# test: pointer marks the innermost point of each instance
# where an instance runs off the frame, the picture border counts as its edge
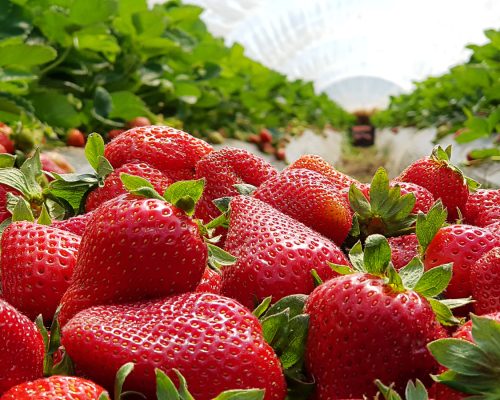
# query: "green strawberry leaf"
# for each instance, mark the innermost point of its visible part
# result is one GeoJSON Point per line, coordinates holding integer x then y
{"type": "Point", "coordinates": [486, 334]}
{"type": "Point", "coordinates": [356, 257]}
{"type": "Point", "coordinates": [416, 391]}
{"type": "Point", "coordinates": [222, 203]}
{"type": "Point", "coordinates": [443, 312]}
{"type": "Point", "coordinates": [242, 394]}
{"type": "Point", "coordinates": [183, 390]}
{"type": "Point", "coordinates": [412, 272]}
{"type": "Point", "coordinates": [262, 307]}
{"type": "Point", "coordinates": [359, 203]}
{"type": "Point", "coordinates": [64, 367]}
{"type": "Point", "coordinates": [379, 190]}
{"type": "Point", "coordinates": [22, 211]}
{"type": "Point", "coordinates": [394, 279]}
{"type": "Point", "coordinates": [340, 269]}
{"type": "Point", "coordinates": [165, 388]}
{"type": "Point", "coordinates": [139, 186]}
{"type": "Point", "coordinates": [439, 154]}
{"type": "Point", "coordinates": [104, 396]}
{"type": "Point", "coordinates": [456, 303]}
{"type": "Point", "coordinates": [15, 179]}
{"type": "Point", "coordinates": [44, 218]}
{"type": "Point", "coordinates": [218, 257]}
{"type": "Point", "coordinates": [387, 391]}
{"type": "Point", "coordinates": [185, 194]}
{"type": "Point", "coordinates": [485, 386]}
{"type": "Point", "coordinates": [273, 324]}
{"type": "Point", "coordinates": [293, 353]}
{"type": "Point", "coordinates": [7, 160]}
{"type": "Point", "coordinates": [32, 171]}
{"type": "Point", "coordinates": [434, 281]}
{"type": "Point", "coordinates": [429, 224]}
{"type": "Point", "coordinates": [294, 303]}
{"type": "Point", "coordinates": [244, 189]}
{"type": "Point", "coordinates": [316, 278]}
{"type": "Point", "coordinates": [104, 168]}
{"type": "Point", "coordinates": [94, 148]}
{"type": "Point", "coordinates": [121, 375]}
{"type": "Point", "coordinates": [377, 254]}
{"type": "Point", "coordinates": [70, 192]}
{"type": "Point", "coordinates": [221, 220]}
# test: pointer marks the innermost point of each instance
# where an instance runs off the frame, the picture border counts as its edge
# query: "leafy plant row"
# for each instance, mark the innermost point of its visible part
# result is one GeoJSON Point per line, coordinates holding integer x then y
{"type": "Point", "coordinates": [95, 64]}
{"type": "Point", "coordinates": [464, 101]}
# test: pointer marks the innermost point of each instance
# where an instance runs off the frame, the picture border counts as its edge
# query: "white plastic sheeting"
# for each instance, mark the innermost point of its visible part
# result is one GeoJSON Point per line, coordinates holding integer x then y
{"type": "Point", "coordinates": [358, 51]}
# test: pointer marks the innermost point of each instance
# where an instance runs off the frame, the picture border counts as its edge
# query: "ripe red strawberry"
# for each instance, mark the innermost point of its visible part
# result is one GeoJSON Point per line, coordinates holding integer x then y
{"type": "Point", "coordinates": [365, 324]}
{"type": "Point", "coordinates": [211, 282]}
{"type": "Point", "coordinates": [213, 341]}
{"type": "Point", "coordinates": [315, 163]}
{"type": "Point", "coordinates": [275, 254]}
{"type": "Point", "coordinates": [37, 266]}
{"type": "Point", "coordinates": [7, 143]}
{"type": "Point", "coordinates": [403, 249]}
{"type": "Point", "coordinates": [483, 207]}
{"type": "Point", "coordinates": [441, 178]}
{"type": "Point", "coordinates": [134, 249]}
{"type": "Point", "coordinates": [114, 133]}
{"type": "Point", "coordinates": [75, 138]}
{"type": "Point", "coordinates": [485, 282]}
{"type": "Point", "coordinates": [461, 245]}
{"type": "Point", "coordinates": [21, 348]}
{"type": "Point", "coordinates": [138, 121]}
{"type": "Point", "coordinates": [50, 166]}
{"type": "Point", "coordinates": [75, 224]}
{"type": "Point", "coordinates": [222, 170]}
{"type": "Point", "coordinates": [113, 186]}
{"type": "Point", "coordinates": [494, 228]}
{"type": "Point", "coordinates": [265, 136]}
{"type": "Point", "coordinates": [3, 150]}
{"type": "Point", "coordinates": [4, 213]}
{"type": "Point", "coordinates": [309, 197]}
{"type": "Point", "coordinates": [173, 152]}
{"type": "Point", "coordinates": [423, 198]}
{"type": "Point", "coordinates": [56, 387]}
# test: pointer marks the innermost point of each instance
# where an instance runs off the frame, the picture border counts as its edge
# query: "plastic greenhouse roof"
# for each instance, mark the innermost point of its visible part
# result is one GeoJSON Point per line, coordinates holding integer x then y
{"type": "Point", "coordinates": [358, 51]}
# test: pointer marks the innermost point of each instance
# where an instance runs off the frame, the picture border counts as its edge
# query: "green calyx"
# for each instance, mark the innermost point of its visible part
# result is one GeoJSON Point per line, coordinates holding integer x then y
{"type": "Point", "coordinates": [429, 224]}
{"type": "Point", "coordinates": [387, 212]}
{"type": "Point", "coordinates": [473, 368]}
{"type": "Point", "coordinates": [413, 391]}
{"type": "Point", "coordinates": [285, 328]}
{"type": "Point", "coordinates": [375, 259]}
{"type": "Point", "coordinates": [444, 156]}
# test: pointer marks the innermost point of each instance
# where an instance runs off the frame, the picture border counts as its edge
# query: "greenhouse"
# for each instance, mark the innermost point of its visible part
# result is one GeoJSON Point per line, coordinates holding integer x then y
{"type": "Point", "coordinates": [249, 199]}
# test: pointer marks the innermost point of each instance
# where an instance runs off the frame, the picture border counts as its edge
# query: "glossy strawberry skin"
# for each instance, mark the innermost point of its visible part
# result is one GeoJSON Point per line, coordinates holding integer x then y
{"type": "Point", "coordinates": [55, 387]}
{"type": "Point", "coordinates": [309, 198]}
{"type": "Point", "coordinates": [113, 186]}
{"type": "Point", "coordinates": [403, 249]}
{"type": "Point", "coordinates": [134, 249]}
{"type": "Point", "coordinates": [494, 228]}
{"type": "Point", "coordinates": [360, 329]}
{"type": "Point", "coordinates": [222, 170]}
{"type": "Point", "coordinates": [173, 152]}
{"type": "Point", "coordinates": [213, 341]}
{"type": "Point", "coordinates": [275, 254]}
{"type": "Point", "coordinates": [485, 282]}
{"type": "Point", "coordinates": [75, 224]}
{"type": "Point", "coordinates": [443, 182]}
{"type": "Point", "coordinates": [211, 282]}
{"type": "Point", "coordinates": [483, 207]}
{"type": "Point", "coordinates": [315, 163]}
{"type": "Point", "coordinates": [37, 266]}
{"type": "Point", "coordinates": [21, 348]}
{"type": "Point", "coordinates": [462, 245]}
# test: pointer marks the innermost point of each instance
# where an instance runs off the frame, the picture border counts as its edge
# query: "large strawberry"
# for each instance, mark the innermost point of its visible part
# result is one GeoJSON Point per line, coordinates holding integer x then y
{"type": "Point", "coordinates": [211, 282]}
{"type": "Point", "coordinates": [373, 323]}
{"type": "Point", "coordinates": [275, 254]}
{"type": "Point", "coordinates": [403, 249]}
{"type": "Point", "coordinates": [461, 245]}
{"type": "Point", "coordinates": [315, 163]}
{"type": "Point", "coordinates": [222, 170]}
{"type": "Point", "coordinates": [75, 224]}
{"type": "Point", "coordinates": [483, 207]}
{"type": "Point", "coordinates": [37, 266]}
{"type": "Point", "coordinates": [308, 197]}
{"type": "Point", "coordinates": [21, 348]}
{"type": "Point", "coordinates": [472, 360]}
{"type": "Point", "coordinates": [442, 179]}
{"type": "Point", "coordinates": [137, 248]}
{"type": "Point", "coordinates": [173, 152]}
{"type": "Point", "coordinates": [213, 341]}
{"type": "Point", "coordinates": [485, 282]}
{"type": "Point", "coordinates": [113, 186]}
{"type": "Point", "coordinates": [56, 387]}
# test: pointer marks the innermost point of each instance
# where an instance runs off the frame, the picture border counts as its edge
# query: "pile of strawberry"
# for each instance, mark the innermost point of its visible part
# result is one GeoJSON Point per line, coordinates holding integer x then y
{"type": "Point", "coordinates": [175, 266]}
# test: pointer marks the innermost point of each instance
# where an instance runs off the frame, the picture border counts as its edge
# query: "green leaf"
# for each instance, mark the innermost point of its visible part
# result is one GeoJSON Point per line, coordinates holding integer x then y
{"type": "Point", "coordinates": [185, 194]}
{"type": "Point", "coordinates": [219, 257]}
{"type": "Point", "coordinates": [294, 303]}
{"type": "Point", "coordinates": [428, 225]}
{"type": "Point", "coordinates": [443, 312]}
{"type": "Point", "coordinates": [379, 190]}
{"type": "Point", "coordinates": [22, 211]}
{"type": "Point", "coordinates": [183, 390]}
{"type": "Point", "coordinates": [127, 106]}
{"type": "Point", "coordinates": [262, 307]}
{"type": "Point", "coordinates": [15, 179]}
{"type": "Point", "coordinates": [456, 303]}
{"type": "Point", "coordinates": [187, 92]}
{"type": "Point", "coordinates": [139, 186]}
{"type": "Point", "coordinates": [32, 170]}
{"type": "Point", "coordinates": [359, 203]}
{"type": "Point", "coordinates": [7, 160]}
{"type": "Point", "coordinates": [99, 39]}
{"type": "Point", "coordinates": [394, 279]}
{"type": "Point", "coordinates": [242, 394]}
{"type": "Point", "coordinates": [104, 168]}
{"type": "Point", "coordinates": [121, 375]}
{"type": "Point", "coordinates": [94, 148]}
{"type": "Point", "coordinates": [434, 281]}
{"type": "Point", "coordinates": [387, 391]}
{"type": "Point", "coordinates": [416, 391]}
{"type": "Point", "coordinates": [72, 191]}
{"type": "Point", "coordinates": [274, 323]}
{"type": "Point", "coordinates": [44, 218]}
{"type": "Point", "coordinates": [316, 278]}
{"type": "Point", "coordinates": [64, 367]}
{"type": "Point", "coordinates": [165, 388]}
{"type": "Point", "coordinates": [340, 269]}
{"type": "Point", "coordinates": [56, 109]}
{"type": "Point", "coordinates": [486, 334]}
{"type": "Point", "coordinates": [102, 102]}
{"type": "Point", "coordinates": [356, 257]}
{"type": "Point", "coordinates": [412, 272]}
{"type": "Point", "coordinates": [293, 353]}
{"type": "Point", "coordinates": [222, 203]}
{"type": "Point", "coordinates": [461, 356]}
{"type": "Point", "coordinates": [441, 155]}
{"type": "Point", "coordinates": [377, 254]}
{"type": "Point", "coordinates": [90, 12]}
{"type": "Point", "coordinates": [26, 55]}
{"type": "Point", "coordinates": [245, 189]}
